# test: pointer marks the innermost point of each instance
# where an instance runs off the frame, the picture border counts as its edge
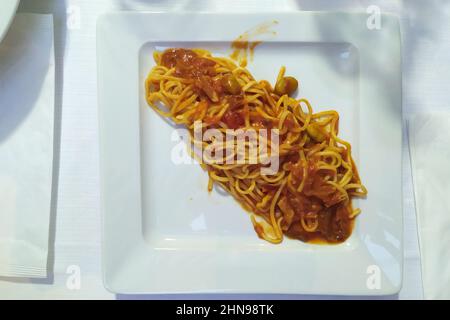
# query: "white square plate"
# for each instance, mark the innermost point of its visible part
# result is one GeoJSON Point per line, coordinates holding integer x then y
{"type": "Point", "coordinates": [163, 232]}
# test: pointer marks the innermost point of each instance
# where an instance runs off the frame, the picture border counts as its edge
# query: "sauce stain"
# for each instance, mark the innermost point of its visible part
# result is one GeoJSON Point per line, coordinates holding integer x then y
{"type": "Point", "coordinates": [244, 46]}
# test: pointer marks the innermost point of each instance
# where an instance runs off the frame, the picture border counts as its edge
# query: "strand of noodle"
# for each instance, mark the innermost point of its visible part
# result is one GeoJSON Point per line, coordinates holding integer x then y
{"type": "Point", "coordinates": [275, 224]}
{"type": "Point", "coordinates": [339, 188]}
{"type": "Point", "coordinates": [249, 189]}
{"type": "Point", "coordinates": [305, 172]}
{"type": "Point", "coordinates": [306, 226]}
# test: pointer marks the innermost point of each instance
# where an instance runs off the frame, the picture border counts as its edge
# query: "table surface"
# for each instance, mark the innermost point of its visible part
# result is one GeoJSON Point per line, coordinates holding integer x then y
{"type": "Point", "coordinates": [75, 226]}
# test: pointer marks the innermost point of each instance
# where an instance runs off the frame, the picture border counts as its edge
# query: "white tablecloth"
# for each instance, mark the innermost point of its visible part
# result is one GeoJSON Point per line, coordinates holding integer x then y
{"type": "Point", "coordinates": [76, 230]}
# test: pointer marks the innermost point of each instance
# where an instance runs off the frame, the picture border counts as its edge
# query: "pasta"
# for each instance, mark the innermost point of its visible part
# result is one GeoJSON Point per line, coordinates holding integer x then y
{"type": "Point", "coordinates": [309, 196]}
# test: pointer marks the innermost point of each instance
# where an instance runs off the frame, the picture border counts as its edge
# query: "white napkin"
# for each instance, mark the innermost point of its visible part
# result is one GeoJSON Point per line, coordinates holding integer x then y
{"type": "Point", "coordinates": [429, 138]}
{"type": "Point", "coordinates": [27, 94]}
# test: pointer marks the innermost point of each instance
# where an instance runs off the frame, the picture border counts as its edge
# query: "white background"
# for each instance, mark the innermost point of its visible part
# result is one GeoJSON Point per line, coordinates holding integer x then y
{"type": "Point", "coordinates": [75, 215]}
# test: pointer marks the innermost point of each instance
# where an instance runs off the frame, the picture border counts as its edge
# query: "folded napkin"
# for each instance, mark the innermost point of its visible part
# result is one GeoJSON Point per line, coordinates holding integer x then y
{"type": "Point", "coordinates": [429, 138]}
{"type": "Point", "coordinates": [26, 145]}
